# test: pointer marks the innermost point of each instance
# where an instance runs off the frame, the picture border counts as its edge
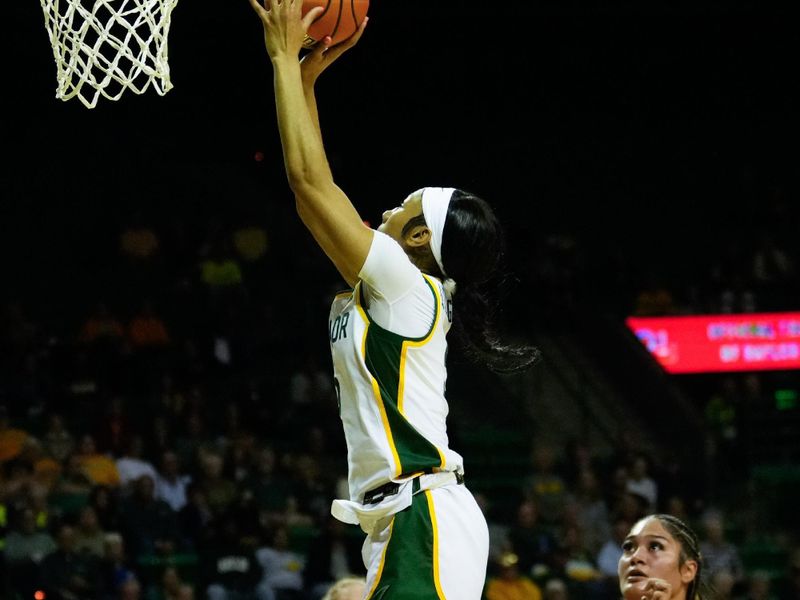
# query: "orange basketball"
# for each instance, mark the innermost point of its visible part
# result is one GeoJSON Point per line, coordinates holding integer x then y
{"type": "Point", "coordinates": [340, 20]}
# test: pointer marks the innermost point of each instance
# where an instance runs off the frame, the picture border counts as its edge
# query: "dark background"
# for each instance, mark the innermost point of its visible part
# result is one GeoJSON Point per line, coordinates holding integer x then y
{"type": "Point", "coordinates": [661, 125]}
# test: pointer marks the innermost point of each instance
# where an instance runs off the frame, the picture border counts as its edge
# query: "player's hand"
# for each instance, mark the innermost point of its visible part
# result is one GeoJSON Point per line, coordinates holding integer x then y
{"type": "Point", "coordinates": [323, 54]}
{"type": "Point", "coordinates": [285, 26]}
{"type": "Point", "coordinates": [656, 589]}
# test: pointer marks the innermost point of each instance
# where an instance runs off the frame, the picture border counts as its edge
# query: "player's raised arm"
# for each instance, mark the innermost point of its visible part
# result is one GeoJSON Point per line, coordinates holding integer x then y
{"type": "Point", "coordinates": [321, 204]}
{"type": "Point", "coordinates": [320, 58]}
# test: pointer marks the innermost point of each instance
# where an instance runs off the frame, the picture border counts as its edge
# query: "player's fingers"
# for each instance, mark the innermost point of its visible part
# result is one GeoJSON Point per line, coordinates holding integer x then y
{"type": "Point", "coordinates": [319, 49]}
{"type": "Point", "coordinates": [353, 39]}
{"type": "Point", "coordinates": [336, 51]}
{"type": "Point", "coordinates": [260, 10]}
{"type": "Point", "coordinates": [311, 16]}
{"type": "Point", "coordinates": [657, 589]}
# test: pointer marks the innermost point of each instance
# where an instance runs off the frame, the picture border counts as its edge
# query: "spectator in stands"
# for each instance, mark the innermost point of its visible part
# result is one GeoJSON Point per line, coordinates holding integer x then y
{"type": "Point", "coordinates": [574, 564]}
{"type": "Point", "coordinates": [131, 589]}
{"type": "Point", "coordinates": [312, 487]}
{"type": "Point", "coordinates": [270, 488]}
{"type": "Point", "coordinates": [616, 486]}
{"type": "Point", "coordinates": [160, 438]}
{"type": "Point", "coordinates": [718, 553]}
{"type": "Point", "coordinates": [555, 589]}
{"type": "Point", "coordinates": [57, 440]}
{"type": "Point", "coordinates": [220, 491]}
{"type": "Point", "coordinates": [116, 566]}
{"type": "Point", "coordinates": [723, 584]}
{"type": "Point", "coordinates": [532, 543]}
{"type": "Point", "coordinates": [114, 427]}
{"type": "Point", "coordinates": [89, 535]}
{"type": "Point", "coordinates": [25, 547]}
{"type": "Point", "coordinates": [347, 588]}
{"type": "Point", "coordinates": [72, 489]}
{"type": "Point", "coordinates": [66, 574]}
{"type": "Point", "coordinates": [591, 510]}
{"type": "Point", "coordinates": [545, 486]}
{"type": "Point", "coordinates": [641, 481]}
{"type": "Point", "coordinates": [99, 467]}
{"type": "Point", "coordinates": [131, 464]}
{"type": "Point", "coordinates": [195, 517]}
{"type": "Point", "coordinates": [148, 524]}
{"type": "Point", "coordinates": [229, 568]}
{"type": "Point", "coordinates": [509, 583]}
{"type": "Point", "coordinates": [660, 561]}
{"type": "Point", "coordinates": [678, 488]}
{"type": "Point", "coordinates": [190, 440]}
{"type": "Point", "coordinates": [104, 502]}
{"type": "Point", "coordinates": [169, 586]}
{"type": "Point", "coordinates": [579, 459]}
{"type": "Point", "coordinates": [631, 507]}
{"type": "Point", "coordinates": [171, 399]}
{"type": "Point", "coordinates": [282, 568]}
{"type": "Point", "coordinates": [171, 483]}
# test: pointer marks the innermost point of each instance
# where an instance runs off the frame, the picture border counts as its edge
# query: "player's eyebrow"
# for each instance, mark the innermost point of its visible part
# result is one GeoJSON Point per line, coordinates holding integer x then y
{"type": "Point", "coordinates": [649, 535]}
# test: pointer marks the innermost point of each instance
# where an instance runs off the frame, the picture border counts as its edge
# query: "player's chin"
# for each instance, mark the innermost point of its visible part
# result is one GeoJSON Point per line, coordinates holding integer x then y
{"type": "Point", "coordinates": [633, 587]}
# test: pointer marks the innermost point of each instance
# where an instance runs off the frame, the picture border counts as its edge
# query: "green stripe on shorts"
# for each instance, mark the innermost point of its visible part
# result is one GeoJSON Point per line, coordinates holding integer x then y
{"type": "Point", "coordinates": [408, 572]}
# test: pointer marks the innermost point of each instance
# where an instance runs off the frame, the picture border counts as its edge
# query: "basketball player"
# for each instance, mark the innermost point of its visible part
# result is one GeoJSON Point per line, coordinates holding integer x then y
{"type": "Point", "coordinates": [346, 588]}
{"type": "Point", "coordinates": [660, 561]}
{"type": "Point", "coordinates": [426, 536]}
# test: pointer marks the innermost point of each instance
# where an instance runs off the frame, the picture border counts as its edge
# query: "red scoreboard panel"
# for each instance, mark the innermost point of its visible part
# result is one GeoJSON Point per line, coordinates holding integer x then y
{"type": "Point", "coordinates": [713, 343]}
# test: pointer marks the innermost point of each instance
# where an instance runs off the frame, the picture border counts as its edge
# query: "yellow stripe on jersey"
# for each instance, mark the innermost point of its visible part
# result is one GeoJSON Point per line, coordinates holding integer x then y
{"type": "Point", "coordinates": [416, 344]}
{"type": "Point", "coordinates": [398, 468]}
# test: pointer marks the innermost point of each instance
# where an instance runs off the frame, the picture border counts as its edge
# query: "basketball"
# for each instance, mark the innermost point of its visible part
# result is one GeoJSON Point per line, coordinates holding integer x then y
{"type": "Point", "coordinates": [340, 20]}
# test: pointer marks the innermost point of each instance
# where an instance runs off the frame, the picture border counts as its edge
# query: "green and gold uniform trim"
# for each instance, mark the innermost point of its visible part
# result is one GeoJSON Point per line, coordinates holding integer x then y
{"type": "Point", "coordinates": [409, 566]}
{"type": "Point", "coordinates": [384, 354]}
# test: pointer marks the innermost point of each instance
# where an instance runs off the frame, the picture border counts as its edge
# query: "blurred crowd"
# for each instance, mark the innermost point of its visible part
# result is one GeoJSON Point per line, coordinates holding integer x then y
{"type": "Point", "coordinates": [168, 428]}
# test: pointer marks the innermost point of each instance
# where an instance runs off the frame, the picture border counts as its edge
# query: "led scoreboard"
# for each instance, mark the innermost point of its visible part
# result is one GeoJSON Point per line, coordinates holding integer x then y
{"type": "Point", "coordinates": [726, 342]}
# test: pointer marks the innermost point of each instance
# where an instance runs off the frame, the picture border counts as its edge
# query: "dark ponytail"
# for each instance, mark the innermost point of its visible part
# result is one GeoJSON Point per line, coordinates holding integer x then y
{"type": "Point", "coordinates": [472, 251]}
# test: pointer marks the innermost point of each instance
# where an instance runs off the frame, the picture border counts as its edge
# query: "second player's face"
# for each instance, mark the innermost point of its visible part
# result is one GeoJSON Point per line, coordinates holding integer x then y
{"type": "Point", "coordinates": [394, 220]}
{"type": "Point", "coordinates": [649, 553]}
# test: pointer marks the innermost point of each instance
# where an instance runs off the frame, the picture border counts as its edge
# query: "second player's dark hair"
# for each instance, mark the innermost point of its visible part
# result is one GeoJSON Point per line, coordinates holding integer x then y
{"type": "Point", "coordinates": [473, 245]}
{"type": "Point", "coordinates": [690, 550]}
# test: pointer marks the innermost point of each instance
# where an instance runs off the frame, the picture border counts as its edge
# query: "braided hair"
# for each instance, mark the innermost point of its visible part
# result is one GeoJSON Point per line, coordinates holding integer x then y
{"type": "Point", "coordinates": [690, 550]}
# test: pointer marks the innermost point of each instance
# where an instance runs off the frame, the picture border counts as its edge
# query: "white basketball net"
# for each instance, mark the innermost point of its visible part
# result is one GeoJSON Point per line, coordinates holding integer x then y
{"type": "Point", "coordinates": [103, 47]}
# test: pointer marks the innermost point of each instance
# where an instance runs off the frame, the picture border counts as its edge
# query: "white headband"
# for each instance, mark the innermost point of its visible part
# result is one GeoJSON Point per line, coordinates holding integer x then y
{"type": "Point", "coordinates": [435, 202]}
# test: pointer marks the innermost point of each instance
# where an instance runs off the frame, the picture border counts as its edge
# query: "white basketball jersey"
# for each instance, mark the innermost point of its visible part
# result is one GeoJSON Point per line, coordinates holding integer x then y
{"type": "Point", "coordinates": [391, 388]}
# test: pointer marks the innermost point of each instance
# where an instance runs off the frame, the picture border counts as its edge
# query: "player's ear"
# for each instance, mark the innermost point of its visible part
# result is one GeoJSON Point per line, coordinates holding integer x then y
{"type": "Point", "coordinates": [418, 235]}
{"type": "Point", "coordinates": [688, 571]}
